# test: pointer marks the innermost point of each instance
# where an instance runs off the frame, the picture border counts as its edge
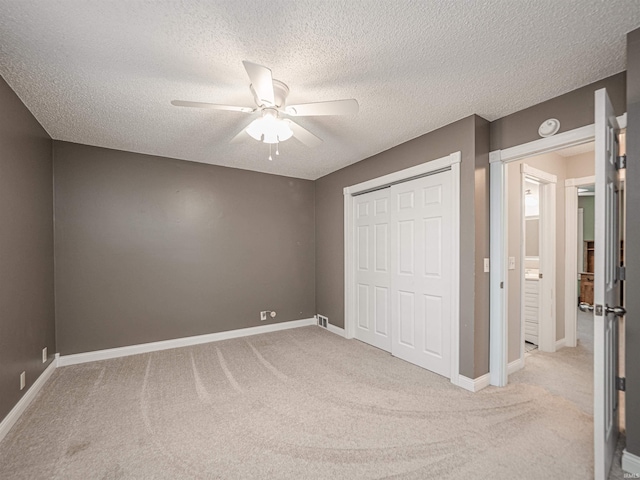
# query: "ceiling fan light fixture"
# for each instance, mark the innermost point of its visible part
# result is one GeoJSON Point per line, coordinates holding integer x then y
{"type": "Point", "coordinates": [270, 137]}
{"type": "Point", "coordinates": [255, 129]}
{"type": "Point", "coordinates": [270, 128]}
{"type": "Point", "coordinates": [270, 96]}
{"type": "Point", "coordinates": [284, 131]}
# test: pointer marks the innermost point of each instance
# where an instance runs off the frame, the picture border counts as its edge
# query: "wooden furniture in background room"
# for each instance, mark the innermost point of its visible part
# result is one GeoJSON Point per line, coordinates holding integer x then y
{"type": "Point", "coordinates": [586, 288]}
{"type": "Point", "coordinates": [586, 277]}
{"type": "Point", "coordinates": [589, 256]}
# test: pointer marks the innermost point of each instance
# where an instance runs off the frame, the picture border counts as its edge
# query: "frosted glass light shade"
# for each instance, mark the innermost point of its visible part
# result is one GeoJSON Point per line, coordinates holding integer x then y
{"type": "Point", "coordinates": [269, 129]}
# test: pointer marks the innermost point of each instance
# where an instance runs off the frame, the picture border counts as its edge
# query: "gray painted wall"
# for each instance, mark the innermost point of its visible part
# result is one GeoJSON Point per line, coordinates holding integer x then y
{"type": "Point", "coordinates": [573, 109]}
{"type": "Point", "coordinates": [482, 246]}
{"type": "Point", "coordinates": [470, 136]}
{"type": "Point", "coordinates": [26, 248]}
{"type": "Point", "coordinates": [632, 248]}
{"type": "Point", "coordinates": [151, 248]}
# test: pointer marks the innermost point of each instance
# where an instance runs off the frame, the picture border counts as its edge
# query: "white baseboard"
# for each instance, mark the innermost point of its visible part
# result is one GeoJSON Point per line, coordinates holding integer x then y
{"type": "Point", "coordinates": [514, 366]}
{"type": "Point", "coordinates": [336, 330]}
{"type": "Point", "coordinates": [475, 384]}
{"type": "Point", "coordinates": [15, 413]}
{"type": "Point", "coordinates": [561, 343]}
{"type": "Point", "coordinates": [98, 355]}
{"type": "Point", "coordinates": [630, 462]}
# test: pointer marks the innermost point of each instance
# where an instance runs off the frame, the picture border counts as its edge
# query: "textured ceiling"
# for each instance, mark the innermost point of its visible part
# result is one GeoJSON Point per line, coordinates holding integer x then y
{"type": "Point", "coordinates": [103, 72]}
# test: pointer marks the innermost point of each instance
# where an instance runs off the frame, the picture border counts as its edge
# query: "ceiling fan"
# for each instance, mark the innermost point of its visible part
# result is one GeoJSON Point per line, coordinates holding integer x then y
{"type": "Point", "coordinates": [273, 125]}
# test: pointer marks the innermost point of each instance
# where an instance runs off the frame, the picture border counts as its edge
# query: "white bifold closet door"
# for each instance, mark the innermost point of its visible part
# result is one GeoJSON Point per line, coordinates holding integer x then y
{"type": "Point", "coordinates": [421, 274]}
{"type": "Point", "coordinates": [373, 273]}
{"type": "Point", "coordinates": [403, 271]}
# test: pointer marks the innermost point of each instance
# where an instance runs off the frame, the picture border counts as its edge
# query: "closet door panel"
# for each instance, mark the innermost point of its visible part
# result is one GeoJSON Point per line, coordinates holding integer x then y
{"type": "Point", "coordinates": [421, 237]}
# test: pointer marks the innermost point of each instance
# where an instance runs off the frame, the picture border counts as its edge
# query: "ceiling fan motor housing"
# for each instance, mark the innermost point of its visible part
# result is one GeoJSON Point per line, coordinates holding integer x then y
{"type": "Point", "coordinates": [280, 94]}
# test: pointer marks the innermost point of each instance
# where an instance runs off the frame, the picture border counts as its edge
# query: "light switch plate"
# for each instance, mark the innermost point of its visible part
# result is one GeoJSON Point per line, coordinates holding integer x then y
{"type": "Point", "coordinates": [486, 265]}
{"type": "Point", "coordinates": [512, 263]}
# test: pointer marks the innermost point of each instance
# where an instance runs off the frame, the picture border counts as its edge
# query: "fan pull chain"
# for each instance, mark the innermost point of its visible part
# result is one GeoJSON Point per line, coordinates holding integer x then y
{"type": "Point", "coordinates": [270, 157]}
{"type": "Point", "coordinates": [278, 148]}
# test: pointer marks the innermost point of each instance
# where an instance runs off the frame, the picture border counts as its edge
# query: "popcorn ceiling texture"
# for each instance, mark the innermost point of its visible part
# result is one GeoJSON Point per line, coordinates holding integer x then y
{"type": "Point", "coordinates": [103, 73]}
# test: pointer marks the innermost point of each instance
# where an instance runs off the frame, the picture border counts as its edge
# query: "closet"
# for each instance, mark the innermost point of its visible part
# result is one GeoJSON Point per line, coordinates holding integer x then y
{"type": "Point", "coordinates": [403, 247]}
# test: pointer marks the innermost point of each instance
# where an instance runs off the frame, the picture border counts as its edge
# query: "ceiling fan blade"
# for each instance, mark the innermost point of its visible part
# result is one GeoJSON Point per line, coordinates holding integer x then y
{"type": "Point", "coordinates": [304, 135]}
{"type": "Point", "coordinates": [241, 136]}
{"type": "Point", "coordinates": [335, 107]}
{"type": "Point", "coordinates": [261, 81]}
{"type": "Point", "coordinates": [231, 108]}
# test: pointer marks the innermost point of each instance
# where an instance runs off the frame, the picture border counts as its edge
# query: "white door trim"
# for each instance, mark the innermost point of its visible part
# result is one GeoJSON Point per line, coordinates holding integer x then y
{"type": "Point", "coordinates": [498, 293]}
{"type": "Point", "coordinates": [580, 240]}
{"type": "Point", "coordinates": [572, 237]}
{"type": "Point", "coordinates": [451, 161]}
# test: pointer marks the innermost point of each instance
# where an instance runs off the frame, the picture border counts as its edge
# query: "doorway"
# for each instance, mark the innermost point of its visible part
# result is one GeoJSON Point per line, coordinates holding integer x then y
{"type": "Point", "coordinates": [607, 276]}
{"type": "Point", "coordinates": [539, 231]}
{"type": "Point", "coordinates": [580, 249]}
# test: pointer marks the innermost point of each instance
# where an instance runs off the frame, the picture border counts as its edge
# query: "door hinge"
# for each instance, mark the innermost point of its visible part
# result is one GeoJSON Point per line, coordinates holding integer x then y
{"type": "Point", "coordinates": [621, 384]}
{"type": "Point", "coordinates": [621, 162]}
{"type": "Point", "coordinates": [539, 275]}
{"type": "Point", "coordinates": [501, 284]}
{"type": "Point", "coordinates": [622, 273]}
{"type": "Point", "coordinates": [599, 310]}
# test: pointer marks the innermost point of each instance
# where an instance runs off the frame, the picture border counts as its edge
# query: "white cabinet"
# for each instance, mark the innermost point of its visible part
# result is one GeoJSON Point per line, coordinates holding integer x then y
{"type": "Point", "coordinates": [531, 310]}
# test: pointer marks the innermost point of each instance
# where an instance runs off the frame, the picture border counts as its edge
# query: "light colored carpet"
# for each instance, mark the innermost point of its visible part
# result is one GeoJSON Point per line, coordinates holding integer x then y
{"type": "Point", "coordinates": [567, 372]}
{"type": "Point", "coordinates": [296, 404]}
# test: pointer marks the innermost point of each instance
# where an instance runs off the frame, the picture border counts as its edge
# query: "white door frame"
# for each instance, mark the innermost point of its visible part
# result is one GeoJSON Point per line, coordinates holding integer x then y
{"type": "Point", "coordinates": [498, 234]}
{"type": "Point", "coordinates": [572, 236]}
{"type": "Point", "coordinates": [547, 284]}
{"type": "Point", "coordinates": [580, 239]}
{"type": "Point", "coordinates": [451, 162]}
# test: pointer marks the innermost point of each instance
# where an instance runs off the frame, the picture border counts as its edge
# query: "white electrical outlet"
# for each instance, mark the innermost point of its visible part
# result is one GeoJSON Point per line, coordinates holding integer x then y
{"type": "Point", "coordinates": [44, 355]}
{"type": "Point", "coordinates": [263, 316]}
{"type": "Point", "coordinates": [486, 265]}
{"type": "Point", "coordinates": [512, 263]}
{"type": "Point", "coordinates": [23, 380]}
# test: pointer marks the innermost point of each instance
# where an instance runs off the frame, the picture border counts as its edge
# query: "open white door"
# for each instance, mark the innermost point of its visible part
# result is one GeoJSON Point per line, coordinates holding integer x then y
{"type": "Point", "coordinates": [606, 287]}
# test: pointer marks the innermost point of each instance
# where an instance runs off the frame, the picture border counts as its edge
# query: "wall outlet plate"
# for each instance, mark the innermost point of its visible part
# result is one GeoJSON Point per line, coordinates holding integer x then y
{"type": "Point", "coordinates": [44, 355]}
{"type": "Point", "coordinates": [486, 265]}
{"type": "Point", "coordinates": [512, 263]}
{"type": "Point", "coordinates": [23, 380]}
{"type": "Point", "coordinates": [263, 316]}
